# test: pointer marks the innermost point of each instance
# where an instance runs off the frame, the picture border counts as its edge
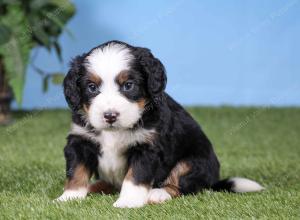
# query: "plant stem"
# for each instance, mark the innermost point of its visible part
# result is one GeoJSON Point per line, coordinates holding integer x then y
{"type": "Point", "coordinates": [5, 96]}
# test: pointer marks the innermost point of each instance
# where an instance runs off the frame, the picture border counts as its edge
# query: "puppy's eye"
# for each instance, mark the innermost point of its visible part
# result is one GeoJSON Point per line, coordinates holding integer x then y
{"type": "Point", "coordinates": [92, 87]}
{"type": "Point", "coordinates": [129, 85]}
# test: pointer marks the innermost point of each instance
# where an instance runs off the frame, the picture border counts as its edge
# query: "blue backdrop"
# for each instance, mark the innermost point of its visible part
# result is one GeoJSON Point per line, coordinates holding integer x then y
{"type": "Point", "coordinates": [215, 52]}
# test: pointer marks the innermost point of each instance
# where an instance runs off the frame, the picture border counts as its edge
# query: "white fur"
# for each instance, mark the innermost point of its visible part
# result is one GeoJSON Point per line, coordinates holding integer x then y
{"type": "Point", "coordinates": [110, 99]}
{"type": "Point", "coordinates": [241, 185]}
{"type": "Point", "coordinates": [132, 196]}
{"type": "Point", "coordinates": [114, 143]}
{"type": "Point", "coordinates": [69, 194]}
{"type": "Point", "coordinates": [108, 62]}
{"type": "Point", "coordinates": [158, 195]}
{"type": "Point", "coordinates": [112, 162]}
{"type": "Point", "coordinates": [79, 130]}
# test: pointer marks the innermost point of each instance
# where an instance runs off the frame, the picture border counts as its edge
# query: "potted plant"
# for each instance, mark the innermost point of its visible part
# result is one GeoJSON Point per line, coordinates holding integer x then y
{"type": "Point", "coordinates": [24, 25]}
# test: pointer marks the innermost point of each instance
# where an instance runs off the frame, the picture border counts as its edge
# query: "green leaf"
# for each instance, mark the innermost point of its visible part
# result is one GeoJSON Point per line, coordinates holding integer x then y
{"type": "Point", "coordinates": [58, 50]}
{"type": "Point", "coordinates": [65, 6]}
{"type": "Point", "coordinates": [16, 51]}
{"type": "Point", "coordinates": [45, 83]}
{"type": "Point", "coordinates": [15, 67]}
{"type": "Point", "coordinates": [29, 27]}
{"type": "Point", "coordinates": [42, 36]}
{"type": "Point", "coordinates": [6, 2]}
{"type": "Point", "coordinates": [60, 24]}
{"type": "Point", "coordinates": [37, 4]}
{"type": "Point", "coordinates": [57, 78]}
{"type": "Point", "coordinates": [5, 34]}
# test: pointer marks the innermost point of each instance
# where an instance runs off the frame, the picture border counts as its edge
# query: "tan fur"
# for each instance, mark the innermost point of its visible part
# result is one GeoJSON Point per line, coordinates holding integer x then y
{"type": "Point", "coordinates": [80, 178]}
{"type": "Point", "coordinates": [171, 184]}
{"type": "Point", "coordinates": [122, 77]}
{"type": "Point", "coordinates": [101, 187]}
{"type": "Point", "coordinates": [95, 78]}
{"type": "Point", "coordinates": [141, 103]}
{"type": "Point", "coordinates": [129, 177]}
{"type": "Point", "coordinates": [86, 108]}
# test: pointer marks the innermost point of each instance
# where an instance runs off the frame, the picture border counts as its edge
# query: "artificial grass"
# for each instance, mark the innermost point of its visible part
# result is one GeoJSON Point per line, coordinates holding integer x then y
{"type": "Point", "coordinates": [258, 143]}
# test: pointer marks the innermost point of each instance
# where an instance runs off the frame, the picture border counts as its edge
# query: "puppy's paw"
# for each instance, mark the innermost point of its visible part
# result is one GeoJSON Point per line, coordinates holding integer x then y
{"type": "Point", "coordinates": [158, 196]}
{"type": "Point", "coordinates": [72, 195]}
{"type": "Point", "coordinates": [132, 196]}
{"type": "Point", "coordinates": [129, 203]}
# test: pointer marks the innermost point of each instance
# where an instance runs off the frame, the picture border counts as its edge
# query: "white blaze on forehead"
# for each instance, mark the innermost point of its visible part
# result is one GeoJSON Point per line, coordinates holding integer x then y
{"type": "Point", "coordinates": [109, 61]}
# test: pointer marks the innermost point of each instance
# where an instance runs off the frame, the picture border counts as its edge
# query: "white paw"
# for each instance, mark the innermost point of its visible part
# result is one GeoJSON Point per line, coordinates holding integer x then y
{"type": "Point", "coordinates": [158, 196]}
{"type": "Point", "coordinates": [72, 195]}
{"type": "Point", "coordinates": [132, 196]}
{"type": "Point", "coordinates": [129, 203]}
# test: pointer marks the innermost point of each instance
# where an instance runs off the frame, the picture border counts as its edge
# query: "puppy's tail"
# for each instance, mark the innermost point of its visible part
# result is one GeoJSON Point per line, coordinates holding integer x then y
{"type": "Point", "coordinates": [237, 185]}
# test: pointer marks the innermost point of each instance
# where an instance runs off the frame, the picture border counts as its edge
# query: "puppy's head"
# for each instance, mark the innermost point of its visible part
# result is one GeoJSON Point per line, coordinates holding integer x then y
{"type": "Point", "coordinates": [111, 84]}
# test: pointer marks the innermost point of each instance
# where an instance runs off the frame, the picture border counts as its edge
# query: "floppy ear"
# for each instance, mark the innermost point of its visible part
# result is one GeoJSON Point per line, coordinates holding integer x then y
{"type": "Point", "coordinates": [71, 87]}
{"type": "Point", "coordinates": [155, 73]}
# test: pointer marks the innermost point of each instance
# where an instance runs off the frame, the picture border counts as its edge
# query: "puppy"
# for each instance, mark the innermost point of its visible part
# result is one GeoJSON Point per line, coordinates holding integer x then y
{"type": "Point", "coordinates": [131, 135]}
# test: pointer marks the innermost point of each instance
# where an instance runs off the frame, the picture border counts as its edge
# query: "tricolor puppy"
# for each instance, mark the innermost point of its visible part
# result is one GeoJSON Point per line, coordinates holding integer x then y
{"type": "Point", "coordinates": [131, 135]}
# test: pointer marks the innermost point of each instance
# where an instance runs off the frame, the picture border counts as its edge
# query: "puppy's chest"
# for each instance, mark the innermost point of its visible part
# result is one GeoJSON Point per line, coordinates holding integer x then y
{"type": "Point", "coordinates": [112, 160]}
{"type": "Point", "coordinates": [112, 164]}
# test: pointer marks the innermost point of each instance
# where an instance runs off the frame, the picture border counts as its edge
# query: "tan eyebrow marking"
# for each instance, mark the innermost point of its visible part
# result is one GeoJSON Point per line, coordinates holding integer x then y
{"type": "Point", "coordinates": [122, 77]}
{"type": "Point", "coordinates": [94, 78]}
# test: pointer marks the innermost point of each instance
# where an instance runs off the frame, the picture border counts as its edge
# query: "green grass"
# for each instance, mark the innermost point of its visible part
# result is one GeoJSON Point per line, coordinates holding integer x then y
{"type": "Point", "coordinates": [261, 144]}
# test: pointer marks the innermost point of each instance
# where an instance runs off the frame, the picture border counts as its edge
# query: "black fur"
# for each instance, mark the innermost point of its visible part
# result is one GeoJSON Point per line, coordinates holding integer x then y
{"type": "Point", "coordinates": [155, 72]}
{"type": "Point", "coordinates": [179, 137]}
{"type": "Point", "coordinates": [71, 84]}
{"type": "Point", "coordinates": [80, 151]}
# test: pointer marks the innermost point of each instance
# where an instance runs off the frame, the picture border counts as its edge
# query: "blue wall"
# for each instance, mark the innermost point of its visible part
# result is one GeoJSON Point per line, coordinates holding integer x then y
{"type": "Point", "coordinates": [215, 52]}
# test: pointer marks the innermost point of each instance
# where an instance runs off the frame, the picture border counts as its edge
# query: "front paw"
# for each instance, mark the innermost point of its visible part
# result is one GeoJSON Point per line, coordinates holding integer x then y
{"type": "Point", "coordinates": [72, 195]}
{"type": "Point", "coordinates": [158, 195]}
{"type": "Point", "coordinates": [132, 195]}
{"type": "Point", "coordinates": [129, 203]}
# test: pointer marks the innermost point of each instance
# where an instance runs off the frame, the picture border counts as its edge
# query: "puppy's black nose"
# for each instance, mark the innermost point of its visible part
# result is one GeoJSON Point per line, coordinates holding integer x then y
{"type": "Point", "coordinates": [111, 117]}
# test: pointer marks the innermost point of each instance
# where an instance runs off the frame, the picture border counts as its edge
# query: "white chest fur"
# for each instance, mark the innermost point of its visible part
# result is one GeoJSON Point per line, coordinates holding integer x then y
{"type": "Point", "coordinates": [112, 162]}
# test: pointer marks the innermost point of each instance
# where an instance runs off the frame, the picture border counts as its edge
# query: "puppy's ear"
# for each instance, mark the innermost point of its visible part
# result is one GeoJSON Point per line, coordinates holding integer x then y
{"type": "Point", "coordinates": [71, 85]}
{"type": "Point", "coordinates": [155, 73]}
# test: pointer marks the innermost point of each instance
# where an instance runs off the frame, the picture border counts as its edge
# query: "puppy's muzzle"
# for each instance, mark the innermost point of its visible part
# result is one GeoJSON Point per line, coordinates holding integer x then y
{"type": "Point", "coordinates": [111, 116]}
